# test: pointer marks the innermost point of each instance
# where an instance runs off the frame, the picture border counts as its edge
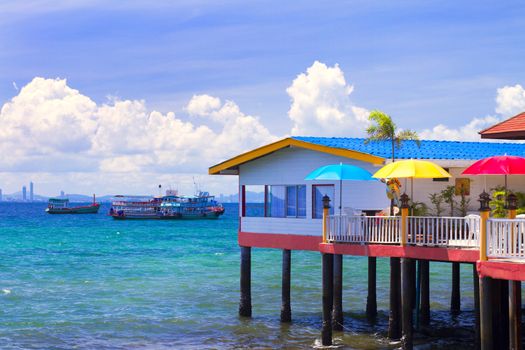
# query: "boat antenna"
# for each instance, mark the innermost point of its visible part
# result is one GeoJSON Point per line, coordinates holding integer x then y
{"type": "Point", "coordinates": [160, 190]}
{"type": "Point", "coordinates": [195, 185]}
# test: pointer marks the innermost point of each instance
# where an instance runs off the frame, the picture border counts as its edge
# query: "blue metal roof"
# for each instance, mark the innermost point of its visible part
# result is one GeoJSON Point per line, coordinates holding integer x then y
{"type": "Point", "coordinates": [428, 149]}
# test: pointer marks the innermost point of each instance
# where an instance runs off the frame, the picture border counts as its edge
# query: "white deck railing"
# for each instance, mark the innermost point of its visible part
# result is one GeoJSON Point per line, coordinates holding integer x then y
{"type": "Point", "coordinates": [425, 231]}
{"type": "Point", "coordinates": [364, 229]}
{"type": "Point", "coordinates": [443, 231]}
{"type": "Point", "coordinates": [505, 238]}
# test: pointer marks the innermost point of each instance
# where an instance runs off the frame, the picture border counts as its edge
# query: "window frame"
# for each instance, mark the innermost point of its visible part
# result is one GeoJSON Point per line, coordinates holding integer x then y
{"type": "Point", "coordinates": [267, 211]}
{"type": "Point", "coordinates": [313, 199]}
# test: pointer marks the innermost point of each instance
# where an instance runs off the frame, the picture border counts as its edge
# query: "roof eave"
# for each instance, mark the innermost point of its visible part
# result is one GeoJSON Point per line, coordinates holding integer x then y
{"type": "Point", "coordinates": [508, 135]}
{"type": "Point", "coordinates": [231, 166]}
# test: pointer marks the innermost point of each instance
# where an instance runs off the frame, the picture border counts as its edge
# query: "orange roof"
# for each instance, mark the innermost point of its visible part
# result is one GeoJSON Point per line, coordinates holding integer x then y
{"type": "Point", "coordinates": [510, 129]}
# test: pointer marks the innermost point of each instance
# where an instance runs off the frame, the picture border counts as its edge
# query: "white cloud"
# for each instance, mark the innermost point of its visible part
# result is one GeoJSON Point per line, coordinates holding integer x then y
{"type": "Point", "coordinates": [321, 104]}
{"type": "Point", "coordinates": [47, 116]}
{"type": "Point", "coordinates": [510, 100]}
{"type": "Point", "coordinates": [59, 136]}
{"type": "Point", "coordinates": [50, 127]}
{"type": "Point", "coordinates": [202, 105]}
{"type": "Point", "coordinates": [467, 132]}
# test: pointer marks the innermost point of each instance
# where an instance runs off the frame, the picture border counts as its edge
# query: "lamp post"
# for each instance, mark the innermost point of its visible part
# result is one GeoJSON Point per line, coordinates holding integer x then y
{"type": "Point", "coordinates": [326, 208]}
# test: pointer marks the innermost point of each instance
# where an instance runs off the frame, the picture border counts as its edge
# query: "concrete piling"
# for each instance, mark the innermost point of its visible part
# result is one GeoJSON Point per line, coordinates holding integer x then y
{"type": "Point", "coordinates": [337, 312]}
{"type": "Point", "coordinates": [286, 308]}
{"type": "Point", "coordinates": [371, 299]}
{"type": "Point", "coordinates": [328, 294]}
{"type": "Point", "coordinates": [245, 305]}
{"type": "Point", "coordinates": [455, 297]}
{"type": "Point", "coordinates": [406, 303]}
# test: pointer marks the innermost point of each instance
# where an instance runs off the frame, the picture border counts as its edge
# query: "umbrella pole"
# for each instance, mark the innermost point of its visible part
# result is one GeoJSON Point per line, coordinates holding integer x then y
{"type": "Point", "coordinates": [506, 195]}
{"type": "Point", "coordinates": [341, 205]}
{"type": "Point", "coordinates": [341, 197]}
{"type": "Point", "coordinates": [412, 190]}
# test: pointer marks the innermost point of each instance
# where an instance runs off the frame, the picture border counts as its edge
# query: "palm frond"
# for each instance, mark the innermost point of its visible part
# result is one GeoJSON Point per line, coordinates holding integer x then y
{"type": "Point", "coordinates": [381, 128]}
{"type": "Point", "coordinates": [404, 135]}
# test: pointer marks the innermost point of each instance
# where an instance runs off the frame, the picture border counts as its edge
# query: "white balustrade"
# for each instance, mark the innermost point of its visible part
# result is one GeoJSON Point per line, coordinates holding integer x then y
{"type": "Point", "coordinates": [443, 231]}
{"type": "Point", "coordinates": [460, 232]}
{"type": "Point", "coordinates": [364, 229]}
{"type": "Point", "coordinates": [505, 238]}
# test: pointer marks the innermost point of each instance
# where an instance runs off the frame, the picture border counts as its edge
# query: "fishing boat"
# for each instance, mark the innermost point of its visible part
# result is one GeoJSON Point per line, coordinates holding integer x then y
{"type": "Point", "coordinates": [199, 206]}
{"type": "Point", "coordinates": [61, 206]}
{"type": "Point", "coordinates": [135, 207]}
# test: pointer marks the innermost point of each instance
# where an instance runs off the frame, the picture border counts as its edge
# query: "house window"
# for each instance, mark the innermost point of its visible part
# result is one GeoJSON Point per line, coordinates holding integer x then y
{"type": "Point", "coordinates": [275, 201]}
{"type": "Point", "coordinates": [253, 200]}
{"type": "Point", "coordinates": [441, 179]}
{"type": "Point", "coordinates": [318, 192]}
{"type": "Point", "coordinates": [291, 201]}
{"type": "Point", "coordinates": [286, 201]}
{"type": "Point", "coordinates": [296, 201]}
{"type": "Point", "coordinates": [301, 201]}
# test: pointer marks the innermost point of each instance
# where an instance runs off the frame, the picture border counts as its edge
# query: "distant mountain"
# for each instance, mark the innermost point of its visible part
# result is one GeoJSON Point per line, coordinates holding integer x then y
{"type": "Point", "coordinates": [18, 197]}
{"type": "Point", "coordinates": [82, 198]}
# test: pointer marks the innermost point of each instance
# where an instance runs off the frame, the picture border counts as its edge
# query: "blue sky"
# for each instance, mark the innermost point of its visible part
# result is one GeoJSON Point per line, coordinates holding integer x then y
{"type": "Point", "coordinates": [422, 62]}
{"type": "Point", "coordinates": [439, 59]}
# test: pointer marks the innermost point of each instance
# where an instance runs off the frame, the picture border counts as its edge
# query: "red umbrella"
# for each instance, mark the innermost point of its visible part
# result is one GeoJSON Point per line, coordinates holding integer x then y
{"type": "Point", "coordinates": [497, 165]}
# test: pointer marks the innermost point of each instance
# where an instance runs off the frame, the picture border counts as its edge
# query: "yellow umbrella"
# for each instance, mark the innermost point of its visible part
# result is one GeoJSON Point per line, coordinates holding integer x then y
{"type": "Point", "coordinates": [411, 168]}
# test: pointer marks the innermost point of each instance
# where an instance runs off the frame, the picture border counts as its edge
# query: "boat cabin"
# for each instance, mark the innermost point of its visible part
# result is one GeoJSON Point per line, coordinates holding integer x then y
{"type": "Point", "coordinates": [58, 203]}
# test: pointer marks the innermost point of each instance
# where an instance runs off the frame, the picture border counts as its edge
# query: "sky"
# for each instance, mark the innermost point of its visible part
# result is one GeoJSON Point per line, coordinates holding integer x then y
{"type": "Point", "coordinates": [118, 97]}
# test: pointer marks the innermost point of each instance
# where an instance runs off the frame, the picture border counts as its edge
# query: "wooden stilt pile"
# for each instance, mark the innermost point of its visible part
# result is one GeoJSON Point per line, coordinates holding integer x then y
{"type": "Point", "coordinates": [425, 292]}
{"type": "Point", "coordinates": [337, 315]}
{"type": "Point", "coordinates": [245, 305]}
{"type": "Point", "coordinates": [328, 283]}
{"type": "Point", "coordinates": [455, 297]}
{"type": "Point", "coordinates": [394, 316]}
{"type": "Point", "coordinates": [371, 299]}
{"type": "Point", "coordinates": [286, 308]}
{"type": "Point", "coordinates": [476, 307]}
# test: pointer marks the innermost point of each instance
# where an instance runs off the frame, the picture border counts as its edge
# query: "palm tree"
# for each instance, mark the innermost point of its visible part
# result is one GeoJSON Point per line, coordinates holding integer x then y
{"type": "Point", "coordinates": [383, 128]}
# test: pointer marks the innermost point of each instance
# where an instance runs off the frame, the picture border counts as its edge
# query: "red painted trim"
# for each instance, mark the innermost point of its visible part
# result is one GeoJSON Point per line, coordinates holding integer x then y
{"type": "Point", "coordinates": [313, 243]}
{"type": "Point", "coordinates": [426, 253]}
{"type": "Point", "coordinates": [280, 241]}
{"type": "Point", "coordinates": [503, 270]}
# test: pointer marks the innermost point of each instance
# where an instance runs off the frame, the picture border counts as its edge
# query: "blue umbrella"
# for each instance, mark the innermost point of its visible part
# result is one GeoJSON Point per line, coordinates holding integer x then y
{"type": "Point", "coordinates": [340, 172]}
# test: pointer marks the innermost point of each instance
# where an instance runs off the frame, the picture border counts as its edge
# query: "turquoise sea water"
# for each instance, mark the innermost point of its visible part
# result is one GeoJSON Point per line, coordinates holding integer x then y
{"type": "Point", "coordinates": [90, 282]}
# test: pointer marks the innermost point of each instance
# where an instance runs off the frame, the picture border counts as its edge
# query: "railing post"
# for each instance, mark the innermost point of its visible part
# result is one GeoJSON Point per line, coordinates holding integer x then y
{"type": "Point", "coordinates": [404, 215]}
{"type": "Point", "coordinates": [484, 212]}
{"type": "Point", "coordinates": [326, 208]}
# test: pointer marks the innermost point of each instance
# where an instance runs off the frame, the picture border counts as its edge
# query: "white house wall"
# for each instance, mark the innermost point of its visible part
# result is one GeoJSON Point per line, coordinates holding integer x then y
{"type": "Point", "coordinates": [424, 187]}
{"type": "Point", "coordinates": [290, 166]}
